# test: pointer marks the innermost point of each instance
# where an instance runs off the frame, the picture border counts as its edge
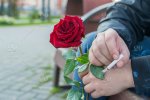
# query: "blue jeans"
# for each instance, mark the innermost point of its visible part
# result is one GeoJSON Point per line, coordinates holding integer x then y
{"type": "Point", "coordinates": [141, 49]}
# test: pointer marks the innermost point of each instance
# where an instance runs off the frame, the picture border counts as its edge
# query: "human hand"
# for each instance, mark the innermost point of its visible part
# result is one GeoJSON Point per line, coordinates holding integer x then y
{"type": "Point", "coordinates": [106, 47]}
{"type": "Point", "coordinates": [116, 80]}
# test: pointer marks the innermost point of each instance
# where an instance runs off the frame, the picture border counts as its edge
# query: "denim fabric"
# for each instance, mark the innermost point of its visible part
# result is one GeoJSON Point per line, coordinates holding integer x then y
{"type": "Point", "coordinates": [141, 49]}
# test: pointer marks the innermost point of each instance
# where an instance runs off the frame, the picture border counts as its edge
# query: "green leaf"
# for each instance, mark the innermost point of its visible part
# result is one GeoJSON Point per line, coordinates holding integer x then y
{"type": "Point", "coordinates": [97, 71]}
{"type": "Point", "coordinates": [70, 54]}
{"type": "Point", "coordinates": [82, 68]}
{"type": "Point", "coordinates": [83, 59]}
{"type": "Point", "coordinates": [69, 66]}
{"type": "Point", "coordinates": [74, 95]}
{"type": "Point", "coordinates": [82, 97]}
{"type": "Point", "coordinates": [72, 82]}
{"type": "Point", "coordinates": [55, 90]}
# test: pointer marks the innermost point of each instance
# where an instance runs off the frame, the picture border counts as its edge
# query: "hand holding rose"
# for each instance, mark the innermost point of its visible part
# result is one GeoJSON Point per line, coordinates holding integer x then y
{"type": "Point", "coordinates": [116, 80]}
{"type": "Point", "coordinates": [106, 47]}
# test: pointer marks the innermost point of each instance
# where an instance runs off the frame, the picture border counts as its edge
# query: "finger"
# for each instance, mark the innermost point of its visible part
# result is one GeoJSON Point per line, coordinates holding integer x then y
{"type": "Point", "coordinates": [93, 59]}
{"type": "Point", "coordinates": [86, 79]}
{"type": "Point", "coordinates": [89, 88]}
{"type": "Point", "coordinates": [101, 58]}
{"type": "Point", "coordinates": [82, 74]}
{"type": "Point", "coordinates": [97, 94]}
{"type": "Point", "coordinates": [110, 38]}
{"type": "Point", "coordinates": [124, 50]}
{"type": "Point", "coordinates": [100, 41]}
{"type": "Point", "coordinates": [101, 52]}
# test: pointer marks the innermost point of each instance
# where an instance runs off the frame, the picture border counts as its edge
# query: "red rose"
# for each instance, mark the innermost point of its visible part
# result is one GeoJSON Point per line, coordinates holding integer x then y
{"type": "Point", "coordinates": [68, 32]}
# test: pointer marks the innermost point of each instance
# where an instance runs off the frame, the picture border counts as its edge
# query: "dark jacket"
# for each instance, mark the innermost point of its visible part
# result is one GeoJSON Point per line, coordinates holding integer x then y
{"type": "Point", "coordinates": [131, 19]}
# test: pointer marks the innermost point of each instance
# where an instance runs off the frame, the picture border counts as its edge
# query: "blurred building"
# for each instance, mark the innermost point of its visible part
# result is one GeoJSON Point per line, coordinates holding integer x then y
{"type": "Point", "coordinates": [57, 7]}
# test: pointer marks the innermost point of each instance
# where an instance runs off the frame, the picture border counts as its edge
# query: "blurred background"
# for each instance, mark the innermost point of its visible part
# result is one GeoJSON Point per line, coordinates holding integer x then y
{"type": "Point", "coordinates": [26, 56]}
{"type": "Point", "coordinates": [16, 12]}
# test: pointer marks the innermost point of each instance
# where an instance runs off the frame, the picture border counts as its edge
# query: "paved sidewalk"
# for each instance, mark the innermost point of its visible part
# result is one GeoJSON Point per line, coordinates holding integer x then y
{"type": "Point", "coordinates": [24, 52]}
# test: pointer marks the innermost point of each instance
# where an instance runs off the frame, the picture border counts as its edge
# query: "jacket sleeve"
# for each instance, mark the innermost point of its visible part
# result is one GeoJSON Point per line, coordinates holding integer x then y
{"type": "Point", "coordinates": [130, 18]}
{"type": "Point", "coordinates": [141, 75]}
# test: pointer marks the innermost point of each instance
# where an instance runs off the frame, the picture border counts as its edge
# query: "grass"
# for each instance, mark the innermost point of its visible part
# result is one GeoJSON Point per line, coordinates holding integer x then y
{"type": "Point", "coordinates": [27, 22]}
{"type": "Point", "coordinates": [55, 90]}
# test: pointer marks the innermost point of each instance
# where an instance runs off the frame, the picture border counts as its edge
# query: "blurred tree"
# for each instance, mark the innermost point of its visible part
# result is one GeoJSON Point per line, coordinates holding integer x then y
{"type": "Point", "coordinates": [48, 9]}
{"type": "Point", "coordinates": [2, 7]}
{"type": "Point", "coordinates": [43, 10]}
{"type": "Point", "coordinates": [12, 8]}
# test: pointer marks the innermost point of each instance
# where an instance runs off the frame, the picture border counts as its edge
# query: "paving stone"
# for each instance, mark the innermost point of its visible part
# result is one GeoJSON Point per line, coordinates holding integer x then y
{"type": "Point", "coordinates": [42, 97]}
{"type": "Point", "coordinates": [27, 88]}
{"type": "Point", "coordinates": [19, 51]}
{"type": "Point", "coordinates": [13, 93]}
{"type": "Point", "coordinates": [4, 87]}
{"type": "Point", "coordinates": [41, 91]}
{"type": "Point", "coordinates": [18, 86]}
{"type": "Point", "coordinates": [11, 78]}
{"type": "Point", "coordinates": [27, 96]}
{"type": "Point", "coordinates": [7, 97]}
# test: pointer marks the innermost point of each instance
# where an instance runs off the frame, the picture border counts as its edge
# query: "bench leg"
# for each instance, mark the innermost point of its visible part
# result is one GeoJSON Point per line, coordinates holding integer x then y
{"type": "Point", "coordinates": [56, 76]}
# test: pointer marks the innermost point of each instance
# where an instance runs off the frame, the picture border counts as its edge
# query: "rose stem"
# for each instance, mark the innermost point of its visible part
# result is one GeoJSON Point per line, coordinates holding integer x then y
{"type": "Point", "coordinates": [80, 48]}
{"type": "Point", "coordinates": [87, 97]}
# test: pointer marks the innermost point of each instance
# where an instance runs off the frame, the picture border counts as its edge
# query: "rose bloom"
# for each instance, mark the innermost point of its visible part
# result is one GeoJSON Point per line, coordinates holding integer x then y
{"type": "Point", "coordinates": [68, 32]}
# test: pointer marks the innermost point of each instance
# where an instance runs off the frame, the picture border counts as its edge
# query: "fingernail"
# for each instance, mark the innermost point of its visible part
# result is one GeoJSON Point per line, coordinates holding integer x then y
{"type": "Point", "coordinates": [115, 56]}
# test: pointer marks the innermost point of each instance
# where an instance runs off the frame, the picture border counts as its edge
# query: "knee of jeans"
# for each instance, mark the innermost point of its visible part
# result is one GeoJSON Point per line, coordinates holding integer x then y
{"type": "Point", "coordinates": [145, 52]}
{"type": "Point", "coordinates": [76, 76]}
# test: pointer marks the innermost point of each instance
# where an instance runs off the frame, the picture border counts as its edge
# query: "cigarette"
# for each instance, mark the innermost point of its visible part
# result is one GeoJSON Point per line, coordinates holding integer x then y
{"type": "Point", "coordinates": [111, 65]}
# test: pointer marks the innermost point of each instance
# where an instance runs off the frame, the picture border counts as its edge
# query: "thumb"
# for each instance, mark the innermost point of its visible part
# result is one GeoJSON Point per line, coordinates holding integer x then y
{"type": "Point", "coordinates": [125, 52]}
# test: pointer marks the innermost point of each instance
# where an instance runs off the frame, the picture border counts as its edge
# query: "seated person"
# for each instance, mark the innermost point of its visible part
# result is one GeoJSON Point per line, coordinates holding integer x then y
{"type": "Point", "coordinates": [125, 30]}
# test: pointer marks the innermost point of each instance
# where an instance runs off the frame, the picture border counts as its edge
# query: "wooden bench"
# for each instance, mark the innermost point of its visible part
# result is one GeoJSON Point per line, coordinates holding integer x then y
{"type": "Point", "coordinates": [81, 7]}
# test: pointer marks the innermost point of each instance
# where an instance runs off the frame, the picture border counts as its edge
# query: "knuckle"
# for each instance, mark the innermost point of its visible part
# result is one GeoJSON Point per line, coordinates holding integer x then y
{"type": "Point", "coordinates": [100, 38]}
{"type": "Point", "coordinates": [104, 60]}
{"type": "Point", "coordinates": [108, 38]}
{"type": "Point", "coordinates": [100, 41]}
{"type": "Point", "coordinates": [97, 53]}
{"type": "Point", "coordinates": [94, 49]}
{"type": "Point", "coordinates": [96, 63]}
{"type": "Point", "coordinates": [92, 60]}
{"type": "Point", "coordinates": [111, 31]}
{"type": "Point", "coordinates": [86, 89]}
{"type": "Point", "coordinates": [92, 57]}
{"type": "Point", "coordinates": [83, 80]}
{"type": "Point", "coordinates": [113, 51]}
{"type": "Point", "coordinates": [94, 95]}
{"type": "Point", "coordinates": [101, 45]}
